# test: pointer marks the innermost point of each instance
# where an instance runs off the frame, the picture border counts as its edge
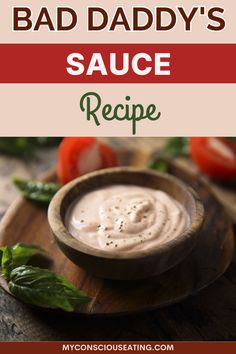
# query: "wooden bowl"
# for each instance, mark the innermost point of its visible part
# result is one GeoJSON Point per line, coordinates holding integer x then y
{"type": "Point", "coordinates": [136, 264]}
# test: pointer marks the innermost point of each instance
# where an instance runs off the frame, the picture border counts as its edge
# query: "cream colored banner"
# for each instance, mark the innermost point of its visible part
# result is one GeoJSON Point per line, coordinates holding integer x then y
{"type": "Point", "coordinates": [186, 110]}
{"type": "Point", "coordinates": [80, 34]}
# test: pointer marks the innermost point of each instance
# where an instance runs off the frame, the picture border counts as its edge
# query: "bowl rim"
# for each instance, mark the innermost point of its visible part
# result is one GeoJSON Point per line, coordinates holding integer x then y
{"type": "Point", "coordinates": [61, 233]}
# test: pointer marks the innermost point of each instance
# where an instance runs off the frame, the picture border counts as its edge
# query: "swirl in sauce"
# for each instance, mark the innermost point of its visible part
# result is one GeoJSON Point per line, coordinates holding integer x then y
{"type": "Point", "coordinates": [126, 218]}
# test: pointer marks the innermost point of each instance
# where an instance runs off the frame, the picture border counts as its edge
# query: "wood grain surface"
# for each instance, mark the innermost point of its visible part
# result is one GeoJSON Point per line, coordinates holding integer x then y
{"type": "Point", "coordinates": [27, 222]}
{"type": "Point", "coordinates": [210, 315]}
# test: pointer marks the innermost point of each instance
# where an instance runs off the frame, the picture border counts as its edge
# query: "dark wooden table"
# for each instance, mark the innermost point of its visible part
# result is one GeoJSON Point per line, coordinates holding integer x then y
{"type": "Point", "coordinates": [210, 315]}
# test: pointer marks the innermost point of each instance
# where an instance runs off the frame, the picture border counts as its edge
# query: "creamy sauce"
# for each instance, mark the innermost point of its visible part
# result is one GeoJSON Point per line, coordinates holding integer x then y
{"type": "Point", "coordinates": [126, 218]}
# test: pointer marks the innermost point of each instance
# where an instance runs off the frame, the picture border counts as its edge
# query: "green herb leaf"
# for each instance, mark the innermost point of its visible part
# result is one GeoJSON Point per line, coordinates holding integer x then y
{"type": "Point", "coordinates": [37, 191]}
{"type": "Point", "coordinates": [22, 253]}
{"type": "Point", "coordinates": [177, 147]}
{"type": "Point", "coordinates": [26, 146]}
{"type": "Point", "coordinates": [16, 146]}
{"type": "Point", "coordinates": [159, 164]}
{"type": "Point", "coordinates": [43, 288]}
{"type": "Point", "coordinates": [15, 256]}
{"type": "Point", "coordinates": [47, 141]}
{"type": "Point", "coordinates": [6, 262]}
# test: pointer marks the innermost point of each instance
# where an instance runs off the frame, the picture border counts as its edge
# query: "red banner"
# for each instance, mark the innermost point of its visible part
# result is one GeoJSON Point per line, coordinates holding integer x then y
{"type": "Point", "coordinates": [119, 347]}
{"type": "Point", "coordinates": [117, 63]}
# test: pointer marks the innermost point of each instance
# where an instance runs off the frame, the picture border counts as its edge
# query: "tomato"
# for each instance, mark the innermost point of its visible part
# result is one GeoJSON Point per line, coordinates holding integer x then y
{"type": "Point", "coordinates": [216, 157]}
{"type": "Point", "coordinates": [80, 155]}
{"type": "Point", "coordinates": [109, 158]}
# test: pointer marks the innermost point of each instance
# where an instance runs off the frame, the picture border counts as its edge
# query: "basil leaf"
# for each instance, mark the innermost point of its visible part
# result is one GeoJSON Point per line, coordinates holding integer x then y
{"type": "Point", "coordinates": [19, 147]}
{"type": "Point", "coordinates": [37, 191]}
{"type": "Point", "coordinates": [6, 262]}
{"type": "Point", "coordinates": [159, 164]}
{"type": "Point", "coordinates": [47, 141]}
{"type": "Point", "coordinates": [15, 256]}
{"type": "Point", "coordinates": [26, 146]}
{"type": "Point", "coordinates": [1, 253]}
{"type": "Point", "coordinates": [43, 288]}
{"type": "Point", "coordinates": [22, 253]}
{"type": "Point", "coordinates": [177, 147]}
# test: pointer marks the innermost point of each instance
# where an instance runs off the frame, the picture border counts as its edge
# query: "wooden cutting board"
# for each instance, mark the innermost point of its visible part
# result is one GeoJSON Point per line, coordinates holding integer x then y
{"type": "Point", "coordinates": [26, 222]}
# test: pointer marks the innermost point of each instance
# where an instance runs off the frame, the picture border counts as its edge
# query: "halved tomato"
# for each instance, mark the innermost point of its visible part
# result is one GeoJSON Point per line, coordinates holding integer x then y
{"type": "Point", "coordinates": [80, 155]}
{"type": "Point", "coordinates": [216, 157]}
